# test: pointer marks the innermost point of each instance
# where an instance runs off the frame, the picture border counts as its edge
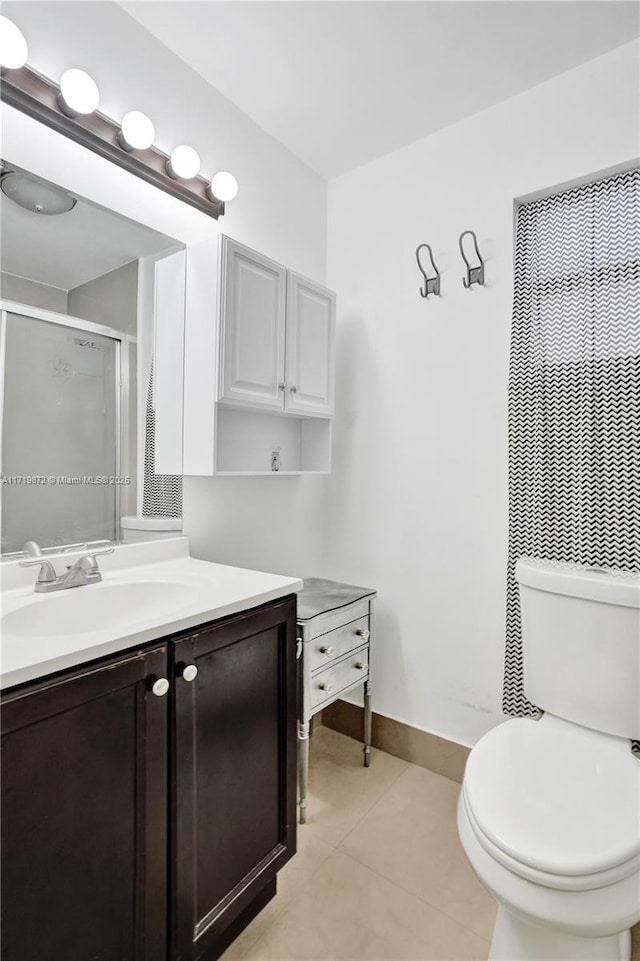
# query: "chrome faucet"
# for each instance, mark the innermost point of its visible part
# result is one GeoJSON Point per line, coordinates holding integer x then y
{"type": "Point", "coordinates": [84, 571]}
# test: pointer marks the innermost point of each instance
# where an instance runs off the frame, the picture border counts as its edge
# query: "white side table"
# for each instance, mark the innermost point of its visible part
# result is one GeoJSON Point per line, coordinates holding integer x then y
{"type": "Point", "coordinates": [334, 643]}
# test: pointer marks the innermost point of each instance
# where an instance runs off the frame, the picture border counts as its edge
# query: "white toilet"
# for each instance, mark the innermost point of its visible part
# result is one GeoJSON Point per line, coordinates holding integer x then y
{"type": "Point", "coordinates": [549, 811]}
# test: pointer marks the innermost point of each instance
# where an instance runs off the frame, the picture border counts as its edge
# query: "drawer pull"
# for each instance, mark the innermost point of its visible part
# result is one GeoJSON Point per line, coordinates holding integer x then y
{"type": "Point", "coordinates": [362, 632]}
{"type": "Point", "coordinates": [329, 651]}
{"type": "Point", "coordinates": [360, 666]}
{"type": "Point", "coordinates": [326, 686]}
{"type": "Point", "coordinates": [160, 687]}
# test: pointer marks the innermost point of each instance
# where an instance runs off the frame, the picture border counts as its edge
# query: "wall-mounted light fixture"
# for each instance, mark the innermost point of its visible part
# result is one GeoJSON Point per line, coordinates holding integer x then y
{"type": "Point", "coordinates": [71, 109]}
{"type": "Point", "coordinates": [136, 132]}
{"type": "Point", "coordinates": [184, 162]}
{"type": "Point", "coordinates": [13, 46]}
{"type": "Point", "coordinates": [224, 186]}
{"type": "Point", "coordinates": [78, 93]}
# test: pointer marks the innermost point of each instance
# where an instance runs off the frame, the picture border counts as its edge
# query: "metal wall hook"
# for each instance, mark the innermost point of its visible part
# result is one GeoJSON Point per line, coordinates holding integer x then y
{"type": "Point", "coordinates": [475, 275]}
{"type": "Point", "coordinates": [431, 284]}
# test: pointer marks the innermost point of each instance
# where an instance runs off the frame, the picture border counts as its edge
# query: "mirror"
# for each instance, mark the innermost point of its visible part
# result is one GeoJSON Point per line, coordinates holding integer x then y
{"type": "Point", "coordinates": [91, 356]}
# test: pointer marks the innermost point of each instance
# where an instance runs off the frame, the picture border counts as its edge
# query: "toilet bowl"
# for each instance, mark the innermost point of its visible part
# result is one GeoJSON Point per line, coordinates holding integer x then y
{"type": "Point", "coordinates": [549, 810]}
{"type": "Point", "coordinates": [549, 817]}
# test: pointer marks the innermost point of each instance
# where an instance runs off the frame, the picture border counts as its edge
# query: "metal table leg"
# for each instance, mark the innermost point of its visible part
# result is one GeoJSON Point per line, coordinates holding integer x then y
{"type": "Point", "coordinates": [367, 722]}
{"type": "Point", "coordinates": [303, 767]}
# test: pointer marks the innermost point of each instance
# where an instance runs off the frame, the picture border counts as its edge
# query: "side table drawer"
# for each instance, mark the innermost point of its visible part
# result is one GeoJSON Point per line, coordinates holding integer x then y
{"type": "Point", "coordinates": [329, 684]}
{"type": "Point", "coordinates": [334, 645]}
{"type": "Point", "coordinates": [330, 620]}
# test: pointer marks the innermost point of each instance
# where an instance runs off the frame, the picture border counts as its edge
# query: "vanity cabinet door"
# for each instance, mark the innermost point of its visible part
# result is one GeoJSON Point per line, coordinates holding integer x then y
{"type": "Point", "coordinates": [252, 316]}
{"type": "Point", "coordinates": [84, 815]}
{"type": "Point", "coordinates": [234, 823]}
{"type": "Point", "coordinates": [311, 316]}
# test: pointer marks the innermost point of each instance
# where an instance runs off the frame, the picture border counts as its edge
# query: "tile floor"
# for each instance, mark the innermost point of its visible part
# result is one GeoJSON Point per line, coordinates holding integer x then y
{"type": "Point", "coordinates": [379, 874]}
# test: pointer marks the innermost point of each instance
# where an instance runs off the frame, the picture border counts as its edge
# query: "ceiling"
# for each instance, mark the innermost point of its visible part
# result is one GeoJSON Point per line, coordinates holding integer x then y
{"type": "Point", "coordinates": [341, 83]}
{"type": "Point", "coordinates": [69, 249]}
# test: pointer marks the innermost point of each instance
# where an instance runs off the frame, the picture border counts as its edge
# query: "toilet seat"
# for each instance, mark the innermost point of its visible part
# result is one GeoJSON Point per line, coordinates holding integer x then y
{"type": "Point", "coordinates": [555, 803]}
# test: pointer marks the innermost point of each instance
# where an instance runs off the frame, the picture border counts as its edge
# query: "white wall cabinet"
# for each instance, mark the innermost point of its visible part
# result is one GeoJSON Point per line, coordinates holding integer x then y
{"type": "Point", "coordinates": [259, 365]}
{"type": "Point", "coordinates": [277, 333]}
{"type": "Point", "coordinates": [309, 350]}
{"type": "Point", "coordinates": [252, 328]}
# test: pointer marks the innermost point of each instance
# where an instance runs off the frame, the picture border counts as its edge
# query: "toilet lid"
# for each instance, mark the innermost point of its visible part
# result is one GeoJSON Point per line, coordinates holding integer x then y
{"type": "Point", "coordinates": [556, 796]}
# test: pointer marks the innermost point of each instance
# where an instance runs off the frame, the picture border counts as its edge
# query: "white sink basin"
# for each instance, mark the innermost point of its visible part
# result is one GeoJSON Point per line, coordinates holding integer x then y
{"type": "Point", "coordinates": [149, 591]}
{"type": "Point", "coordinates": [82, 610]}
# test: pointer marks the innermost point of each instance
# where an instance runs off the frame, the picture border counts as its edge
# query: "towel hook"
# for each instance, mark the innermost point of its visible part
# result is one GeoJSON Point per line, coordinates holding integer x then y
{"type": "Point", "coordinates": [431, 284]}
{"type": "Point", "coordinates": [475, 275]}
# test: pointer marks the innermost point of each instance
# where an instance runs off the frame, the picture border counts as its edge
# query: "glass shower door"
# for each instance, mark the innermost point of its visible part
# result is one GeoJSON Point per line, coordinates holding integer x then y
{"type": "Point", "coordinates": [60, 436]}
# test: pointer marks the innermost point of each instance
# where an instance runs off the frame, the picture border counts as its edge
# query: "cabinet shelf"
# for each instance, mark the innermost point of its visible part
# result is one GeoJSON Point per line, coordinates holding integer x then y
{"type": "Point", "coordinates": [269, 473]}
{"type": "Point", "coordinates": [247, 439]}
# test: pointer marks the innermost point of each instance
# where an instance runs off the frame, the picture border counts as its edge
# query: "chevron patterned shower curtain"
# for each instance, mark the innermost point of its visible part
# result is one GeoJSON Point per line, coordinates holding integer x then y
{"type": "Point", "coordinates": [574, 390]}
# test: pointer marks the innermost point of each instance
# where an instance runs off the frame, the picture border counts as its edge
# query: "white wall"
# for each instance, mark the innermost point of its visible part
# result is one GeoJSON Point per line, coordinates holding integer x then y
{"type": "Point", "coordinates": [280, 210]}
{"type": "Point", "coordinates": [111, 299]}
{"type": "Point", "coordinates": [25, 291]}
{"type": "Point", "coordinates": [417, 503]}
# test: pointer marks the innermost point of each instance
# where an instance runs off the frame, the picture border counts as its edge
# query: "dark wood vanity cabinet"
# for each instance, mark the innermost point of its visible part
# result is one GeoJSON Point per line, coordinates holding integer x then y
{"type": "Point", "coordinates": [234, 774]}
{"type": "Point", "coordinates": [84, 815]}
{"type": "Point", "coordinates": [141, 826]}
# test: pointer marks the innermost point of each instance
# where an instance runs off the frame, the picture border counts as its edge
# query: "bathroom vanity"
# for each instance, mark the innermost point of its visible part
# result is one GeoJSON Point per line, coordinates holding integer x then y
{"type": "Point", "coordinates": [148, 792]}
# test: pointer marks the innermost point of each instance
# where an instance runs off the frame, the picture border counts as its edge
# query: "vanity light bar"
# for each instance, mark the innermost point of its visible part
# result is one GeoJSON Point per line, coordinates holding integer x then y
{"type": "Point", "coordinates": [38, 97]}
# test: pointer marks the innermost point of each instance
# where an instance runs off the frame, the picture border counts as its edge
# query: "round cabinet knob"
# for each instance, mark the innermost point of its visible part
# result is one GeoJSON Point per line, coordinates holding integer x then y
{"type": "Point", "coordinates": [363, 633]}
{"type": "Point", "coordinates": [329, 651]}
{"type": "Point", "coordinates": [359, 666]}
{"type": "Point", "coordinates": [293, 390]}
{"type": "Point", "coordinates": [326, 686]}
{"type": "Point", "coordinates": [282, 386]}
{"type": "Point", "coordinates": [189, 673]}
{"type": "Point", "coordinates": [160, 687]}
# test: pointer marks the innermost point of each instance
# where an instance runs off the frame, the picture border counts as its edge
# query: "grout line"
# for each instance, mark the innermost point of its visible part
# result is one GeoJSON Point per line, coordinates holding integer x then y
{"type": "Point", "coordinates": [254, 947]}
{"type": "Point", "coordinates": [368, 810]}
{"type": "Point", "coordinates": [409, 764]}
{"type": "Point", "coordinates": [412, 894]}
{"type": "Point", "coordinates": [375, 802]}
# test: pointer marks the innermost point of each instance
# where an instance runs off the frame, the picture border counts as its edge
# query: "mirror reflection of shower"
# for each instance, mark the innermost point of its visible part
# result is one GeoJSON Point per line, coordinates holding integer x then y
{"type": "Point", "coordinates": [90, 354]}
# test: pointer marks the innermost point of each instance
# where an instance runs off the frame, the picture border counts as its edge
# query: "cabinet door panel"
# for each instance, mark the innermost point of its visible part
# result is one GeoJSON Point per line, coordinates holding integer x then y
{"type": "Point", "coordinates": [309, 347]}
{"type": "Point", "coordinates": [235, 771]}
{"type": "Point", "coordinates": [84, 816]}
{"type": "Point", "coordinates": [253, 320]}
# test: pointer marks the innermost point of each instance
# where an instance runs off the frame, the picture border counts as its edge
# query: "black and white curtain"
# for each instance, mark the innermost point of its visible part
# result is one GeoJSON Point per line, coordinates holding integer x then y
{"type": "Point", "coordinates": [161, 493]}
{"type": "Point", "coordinates": [574, 390]}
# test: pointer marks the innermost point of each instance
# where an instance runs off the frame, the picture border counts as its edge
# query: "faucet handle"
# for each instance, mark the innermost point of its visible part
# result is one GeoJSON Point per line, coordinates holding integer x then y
{"type": "Point", "coordinates": [34, 560]}
{"type": "Point", "coordinates": [88, 562]}
{"type": "Point", "coordinates": [99, 551]}
{"type": "Point", "coordinates": [47, 571]}
{"type": "Point", "coordinates": [85, 546]}
{"type": "Point", "coordinates": [31, 549]}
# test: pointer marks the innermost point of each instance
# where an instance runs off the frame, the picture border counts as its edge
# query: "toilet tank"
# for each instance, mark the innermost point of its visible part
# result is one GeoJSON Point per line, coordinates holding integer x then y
{"type": "Point", "coordinates": [581, 643]}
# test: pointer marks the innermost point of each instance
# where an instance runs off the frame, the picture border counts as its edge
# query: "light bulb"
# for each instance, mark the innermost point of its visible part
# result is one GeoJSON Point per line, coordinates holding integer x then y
{"type": "Point", "coordinates": [13, 46]}
{"type": "Point", "coordinates": [78, 93]}
{"type": "Point", "coordinates": [184, 163]}
{"type": "Point", "coordinates": [137, 131]}
{"type": "Point", "coordinates": [224, 186]}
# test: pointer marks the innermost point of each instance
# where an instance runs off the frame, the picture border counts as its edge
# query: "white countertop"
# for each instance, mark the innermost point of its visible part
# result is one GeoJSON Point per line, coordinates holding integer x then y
{"type": "Point", "coordinates": [211, 591]}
